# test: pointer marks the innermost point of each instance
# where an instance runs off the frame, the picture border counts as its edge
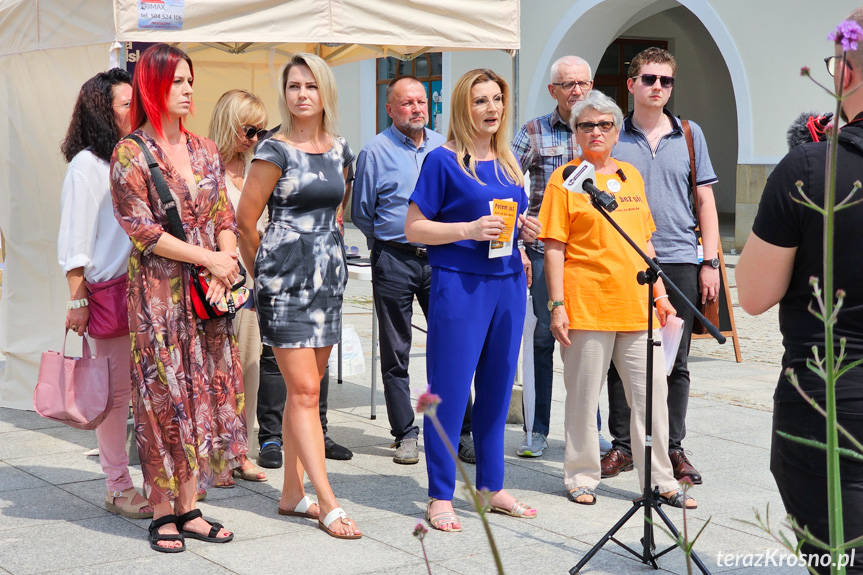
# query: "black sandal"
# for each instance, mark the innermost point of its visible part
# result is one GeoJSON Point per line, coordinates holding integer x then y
{"type": "Point", "coordinates": [678, 499]}
{"type": "Point", "coordinates": [210, 537]}
{"type": "Point", "coordinates": [155, 537]}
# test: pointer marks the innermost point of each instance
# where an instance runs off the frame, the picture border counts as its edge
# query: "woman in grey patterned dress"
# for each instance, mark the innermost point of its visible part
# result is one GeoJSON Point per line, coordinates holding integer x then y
{"type": "Point", "coordinates": [300, 270]}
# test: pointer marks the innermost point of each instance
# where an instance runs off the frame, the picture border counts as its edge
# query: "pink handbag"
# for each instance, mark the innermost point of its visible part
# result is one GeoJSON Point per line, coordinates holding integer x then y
{"type": "Point", "coordinates": [109, 315]}
{"type": "Point", "coordinates": [76, 391]}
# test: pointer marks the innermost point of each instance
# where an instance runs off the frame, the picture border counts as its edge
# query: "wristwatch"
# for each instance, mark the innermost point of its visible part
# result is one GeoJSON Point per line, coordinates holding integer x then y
{"type": "Point", "coordinates": [714, 263]}
{"type": "Point", "coordinates": [554, 304]}
{"type": "Point", "coordinates": [77, 303]}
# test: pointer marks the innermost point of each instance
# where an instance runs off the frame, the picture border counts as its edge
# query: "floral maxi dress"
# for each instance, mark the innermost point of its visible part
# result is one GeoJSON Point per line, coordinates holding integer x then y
{"type": "Point", "coordinates": [187, 381]}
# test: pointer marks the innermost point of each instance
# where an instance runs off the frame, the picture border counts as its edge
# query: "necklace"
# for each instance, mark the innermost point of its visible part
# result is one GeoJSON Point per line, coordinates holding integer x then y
{"type": "Point", "coordinates": [658, 133]}
{"type": "Point", "coordinates": [238, 174]}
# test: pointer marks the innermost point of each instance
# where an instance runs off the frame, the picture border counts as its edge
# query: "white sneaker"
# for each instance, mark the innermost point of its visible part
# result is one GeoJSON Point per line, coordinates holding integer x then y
{"type": "Point", "coordinates": [538, 444]}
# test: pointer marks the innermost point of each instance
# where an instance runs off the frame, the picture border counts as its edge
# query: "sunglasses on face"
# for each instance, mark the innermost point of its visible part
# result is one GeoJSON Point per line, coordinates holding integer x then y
{"type": "Point", "coordinates": [587, 127]}
{"type": "Point", "coordinates": [252, 131]}
{"type": "Point", "coordinates": [650, 80]}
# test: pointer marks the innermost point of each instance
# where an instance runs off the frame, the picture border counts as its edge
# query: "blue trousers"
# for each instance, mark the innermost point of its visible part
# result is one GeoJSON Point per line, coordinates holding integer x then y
{"type": "Point", "coordinates": [475, 324]}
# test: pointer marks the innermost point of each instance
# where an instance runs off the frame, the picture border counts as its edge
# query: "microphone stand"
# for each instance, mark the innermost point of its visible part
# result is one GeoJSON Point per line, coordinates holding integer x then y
{"type": "Point", "coordinates": [649, 500]}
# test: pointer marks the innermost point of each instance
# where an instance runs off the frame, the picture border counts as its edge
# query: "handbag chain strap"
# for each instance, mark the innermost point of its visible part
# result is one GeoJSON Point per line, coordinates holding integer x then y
{"type": "Point", "coordinates": [168, 203]}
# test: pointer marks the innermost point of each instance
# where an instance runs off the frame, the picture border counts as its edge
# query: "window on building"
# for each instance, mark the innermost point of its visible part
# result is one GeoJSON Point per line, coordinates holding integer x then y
{"type": "Point", "coordinates": [611, 74]}
{"type": "Point", "coordinates": [428, 69]}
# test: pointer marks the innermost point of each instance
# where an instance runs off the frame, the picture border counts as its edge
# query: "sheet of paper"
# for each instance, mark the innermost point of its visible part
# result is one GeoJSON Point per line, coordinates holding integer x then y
{"type": "Point", "coordinates": [671, 334]}
{"type": "Point", "coordinates": [508, 210]}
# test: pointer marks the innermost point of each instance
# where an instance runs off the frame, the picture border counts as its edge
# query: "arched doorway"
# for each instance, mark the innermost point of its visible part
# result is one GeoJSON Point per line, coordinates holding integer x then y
{"type": "Point", "coordinates": [711, 87]}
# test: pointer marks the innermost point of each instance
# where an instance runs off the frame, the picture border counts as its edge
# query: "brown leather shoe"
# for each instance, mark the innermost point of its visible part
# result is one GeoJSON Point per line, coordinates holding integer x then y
{"type": "Point", "coordinates": [682, 467]}
{"type": "Point", "coordinates": [614, 462]}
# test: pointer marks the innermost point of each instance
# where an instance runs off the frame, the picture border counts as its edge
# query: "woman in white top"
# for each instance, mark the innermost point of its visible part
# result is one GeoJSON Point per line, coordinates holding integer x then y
{"type": "Point", "coordinates": [238, 119]}
{"type": "Point", "coordinates": [93, 248]}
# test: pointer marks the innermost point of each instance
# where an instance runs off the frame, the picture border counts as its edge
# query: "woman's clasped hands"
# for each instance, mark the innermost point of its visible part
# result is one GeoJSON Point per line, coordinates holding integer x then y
{"type": "Point", "coordinates": [224, 273]}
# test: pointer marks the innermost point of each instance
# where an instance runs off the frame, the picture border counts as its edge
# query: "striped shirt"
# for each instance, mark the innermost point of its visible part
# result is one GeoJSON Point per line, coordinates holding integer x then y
{"type": "Point", "coordinates": [543, 145]}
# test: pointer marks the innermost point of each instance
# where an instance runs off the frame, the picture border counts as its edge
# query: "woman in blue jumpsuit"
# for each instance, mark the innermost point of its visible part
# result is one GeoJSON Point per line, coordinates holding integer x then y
{"type": "Point", "coordinates": [477, 303]}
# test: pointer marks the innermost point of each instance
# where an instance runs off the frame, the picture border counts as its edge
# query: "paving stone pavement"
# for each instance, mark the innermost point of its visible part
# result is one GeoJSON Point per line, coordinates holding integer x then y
{"type": "Point", "coordinates": [53, 520]}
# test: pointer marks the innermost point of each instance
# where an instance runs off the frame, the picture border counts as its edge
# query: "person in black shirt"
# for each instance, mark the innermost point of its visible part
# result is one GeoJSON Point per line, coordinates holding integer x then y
{"type": "Point", "coordinates": [783, 252]}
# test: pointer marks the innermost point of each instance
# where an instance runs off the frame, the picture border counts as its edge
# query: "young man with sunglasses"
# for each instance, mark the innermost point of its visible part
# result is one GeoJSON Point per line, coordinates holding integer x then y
{"type": "Point", "coordinates": [652, 140]}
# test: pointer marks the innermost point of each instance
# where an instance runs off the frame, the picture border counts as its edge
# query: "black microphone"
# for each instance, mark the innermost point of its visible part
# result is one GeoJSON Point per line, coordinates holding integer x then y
{"type": "Point", "coordinates": [582, 181]}
{"type": "Point", "coordinates": [808, 127]}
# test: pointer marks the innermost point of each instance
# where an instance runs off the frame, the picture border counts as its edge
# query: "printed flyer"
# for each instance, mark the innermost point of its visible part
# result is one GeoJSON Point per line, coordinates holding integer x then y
{"type": "Point", "coordinates": [508, 210]}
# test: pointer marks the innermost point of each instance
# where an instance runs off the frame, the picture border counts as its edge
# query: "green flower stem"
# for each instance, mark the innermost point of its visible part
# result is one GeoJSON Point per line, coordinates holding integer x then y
{"type": "Point", "coordinates": [478, 503]}
{"type": "Point", "coordinates": [425, 556]}
{"type": "Point", "coordinates": [834, 486]}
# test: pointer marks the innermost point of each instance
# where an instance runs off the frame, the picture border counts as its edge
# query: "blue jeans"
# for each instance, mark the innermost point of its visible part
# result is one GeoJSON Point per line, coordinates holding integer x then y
{"type": "Point", "coordinates": [543, 344]}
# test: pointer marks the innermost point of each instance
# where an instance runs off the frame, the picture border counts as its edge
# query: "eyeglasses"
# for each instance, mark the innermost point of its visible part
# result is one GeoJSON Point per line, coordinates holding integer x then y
{"type": "Point", "coordinates": [482, 104]}
{"type": "Point", "coordinates": [251, 131]}
{"type": "Point", "coordinates": [832, 61]}
{"type": "Point", "coordinates": [650, 80]}
{"type": "Point", "coordinates": [570, 86]}
{"type": "Point", "coordinates": [587, 127]}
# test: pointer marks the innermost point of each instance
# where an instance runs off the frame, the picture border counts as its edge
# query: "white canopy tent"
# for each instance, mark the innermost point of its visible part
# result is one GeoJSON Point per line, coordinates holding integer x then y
{"type": "Point", "coordinates": [48, 48]}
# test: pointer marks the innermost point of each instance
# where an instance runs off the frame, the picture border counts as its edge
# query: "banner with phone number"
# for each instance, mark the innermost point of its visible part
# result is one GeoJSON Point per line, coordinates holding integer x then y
{"type": "Point", "coordinates": [161, 14]}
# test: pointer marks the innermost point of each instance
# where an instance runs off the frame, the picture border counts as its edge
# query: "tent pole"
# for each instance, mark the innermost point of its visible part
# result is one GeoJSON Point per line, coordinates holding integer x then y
{"type": "Point", "coordinates": [516, 120]}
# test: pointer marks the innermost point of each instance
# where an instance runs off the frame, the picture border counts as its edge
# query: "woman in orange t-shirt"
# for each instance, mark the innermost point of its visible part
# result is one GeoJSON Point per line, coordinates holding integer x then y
{"type": "Point", "coordinates": [597, 306]}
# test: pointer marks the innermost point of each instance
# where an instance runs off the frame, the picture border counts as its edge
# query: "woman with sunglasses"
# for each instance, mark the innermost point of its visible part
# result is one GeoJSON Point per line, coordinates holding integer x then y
{"type": "Point", "coordinates": [301, 270]}
{"type": "Point", "coordinates": [477, 302]}
{"type": "Point", "coordinates": [237, 121]}
{"type": "Point", "coordinates": [186, 371]}
{"type": "Point", "coordinates": [598, 311]}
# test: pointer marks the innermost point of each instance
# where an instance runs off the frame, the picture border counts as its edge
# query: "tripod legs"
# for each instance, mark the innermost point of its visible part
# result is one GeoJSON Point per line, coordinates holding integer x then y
{"type": "Point", "coordinates": [647, 555]}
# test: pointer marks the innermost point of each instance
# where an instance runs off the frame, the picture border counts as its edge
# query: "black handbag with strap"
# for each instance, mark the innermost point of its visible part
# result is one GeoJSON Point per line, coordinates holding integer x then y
{"type": "Point", "coordinates": [199, 280]}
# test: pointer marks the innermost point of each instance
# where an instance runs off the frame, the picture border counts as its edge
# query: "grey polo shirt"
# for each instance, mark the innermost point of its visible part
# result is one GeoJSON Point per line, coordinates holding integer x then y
{"type": "Point", "coordinates": [667, 184]}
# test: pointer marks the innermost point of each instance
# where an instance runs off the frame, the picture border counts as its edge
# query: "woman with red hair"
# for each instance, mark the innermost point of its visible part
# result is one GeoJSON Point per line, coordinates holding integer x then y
{"type": "Point", "coordinates": [186, 372]}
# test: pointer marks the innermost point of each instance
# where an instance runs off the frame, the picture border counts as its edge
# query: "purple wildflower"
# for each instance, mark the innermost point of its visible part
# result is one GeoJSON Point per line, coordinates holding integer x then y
{"type": "Point", "coordinates": [427, 402]}
{"type": "Point", "coordinates": [420, 529]}
{"type": "Point", "coordinates": [804, 71]}
{"type": "Point", "coordinates": [847, 33]}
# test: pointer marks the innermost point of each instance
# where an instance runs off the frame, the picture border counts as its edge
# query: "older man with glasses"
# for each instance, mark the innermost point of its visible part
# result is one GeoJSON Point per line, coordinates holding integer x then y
{"type": "Point", "coordinates": [542, 145]}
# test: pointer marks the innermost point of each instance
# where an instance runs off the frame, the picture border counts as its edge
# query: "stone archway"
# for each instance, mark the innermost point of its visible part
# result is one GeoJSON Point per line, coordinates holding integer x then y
{"type": "Point", "coordinates": [712, 86]}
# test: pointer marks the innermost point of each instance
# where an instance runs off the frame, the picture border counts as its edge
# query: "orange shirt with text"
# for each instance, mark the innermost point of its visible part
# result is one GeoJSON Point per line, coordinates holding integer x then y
{"type": "Point", "coordinates": [601, 292]}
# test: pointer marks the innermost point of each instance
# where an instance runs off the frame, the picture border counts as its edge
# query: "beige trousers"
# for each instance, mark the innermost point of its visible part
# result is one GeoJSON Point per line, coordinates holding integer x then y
{"type": "Point", "coordinates": [585, 364]}
{"type": "Point", "coordinates": [249, 341]}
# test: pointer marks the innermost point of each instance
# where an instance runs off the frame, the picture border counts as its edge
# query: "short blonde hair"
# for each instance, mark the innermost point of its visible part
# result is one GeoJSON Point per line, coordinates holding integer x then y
{"type": "Point", "coordinates": [235, 108]}
{"type": "Point", "coordinates": [326, 88]}
{"type": "Point", "coordinates": [462, 131]}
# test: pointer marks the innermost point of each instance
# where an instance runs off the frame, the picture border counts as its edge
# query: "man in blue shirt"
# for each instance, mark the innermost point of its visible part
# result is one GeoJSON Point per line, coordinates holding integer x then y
{"type": "Point", "coordinates": [387, 171]}
{"type": "Point", "coordinates": [652, 140]}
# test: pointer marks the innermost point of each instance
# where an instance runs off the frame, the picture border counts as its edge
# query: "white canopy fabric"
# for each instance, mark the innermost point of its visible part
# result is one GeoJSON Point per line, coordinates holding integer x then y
{"type": "Point", "coordinates": [48, 48]}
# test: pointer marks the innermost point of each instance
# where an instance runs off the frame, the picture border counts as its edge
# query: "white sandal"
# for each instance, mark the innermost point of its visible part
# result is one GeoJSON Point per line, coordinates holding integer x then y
{"type": "Point", "coordinates": [301, 509]}
{"type": "Point", "coordinates": [337, 513]}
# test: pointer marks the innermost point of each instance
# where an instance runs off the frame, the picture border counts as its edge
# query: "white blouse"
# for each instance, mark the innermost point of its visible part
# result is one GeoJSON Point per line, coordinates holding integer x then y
{"type": "Point", "coordinates": [90, 236]}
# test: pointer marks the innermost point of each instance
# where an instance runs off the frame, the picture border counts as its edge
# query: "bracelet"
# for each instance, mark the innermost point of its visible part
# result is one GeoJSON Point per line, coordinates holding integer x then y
{"type": "Point", "coordinates": [659, 297]}
{"type": "Point", "coordinates": [77, 303]}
